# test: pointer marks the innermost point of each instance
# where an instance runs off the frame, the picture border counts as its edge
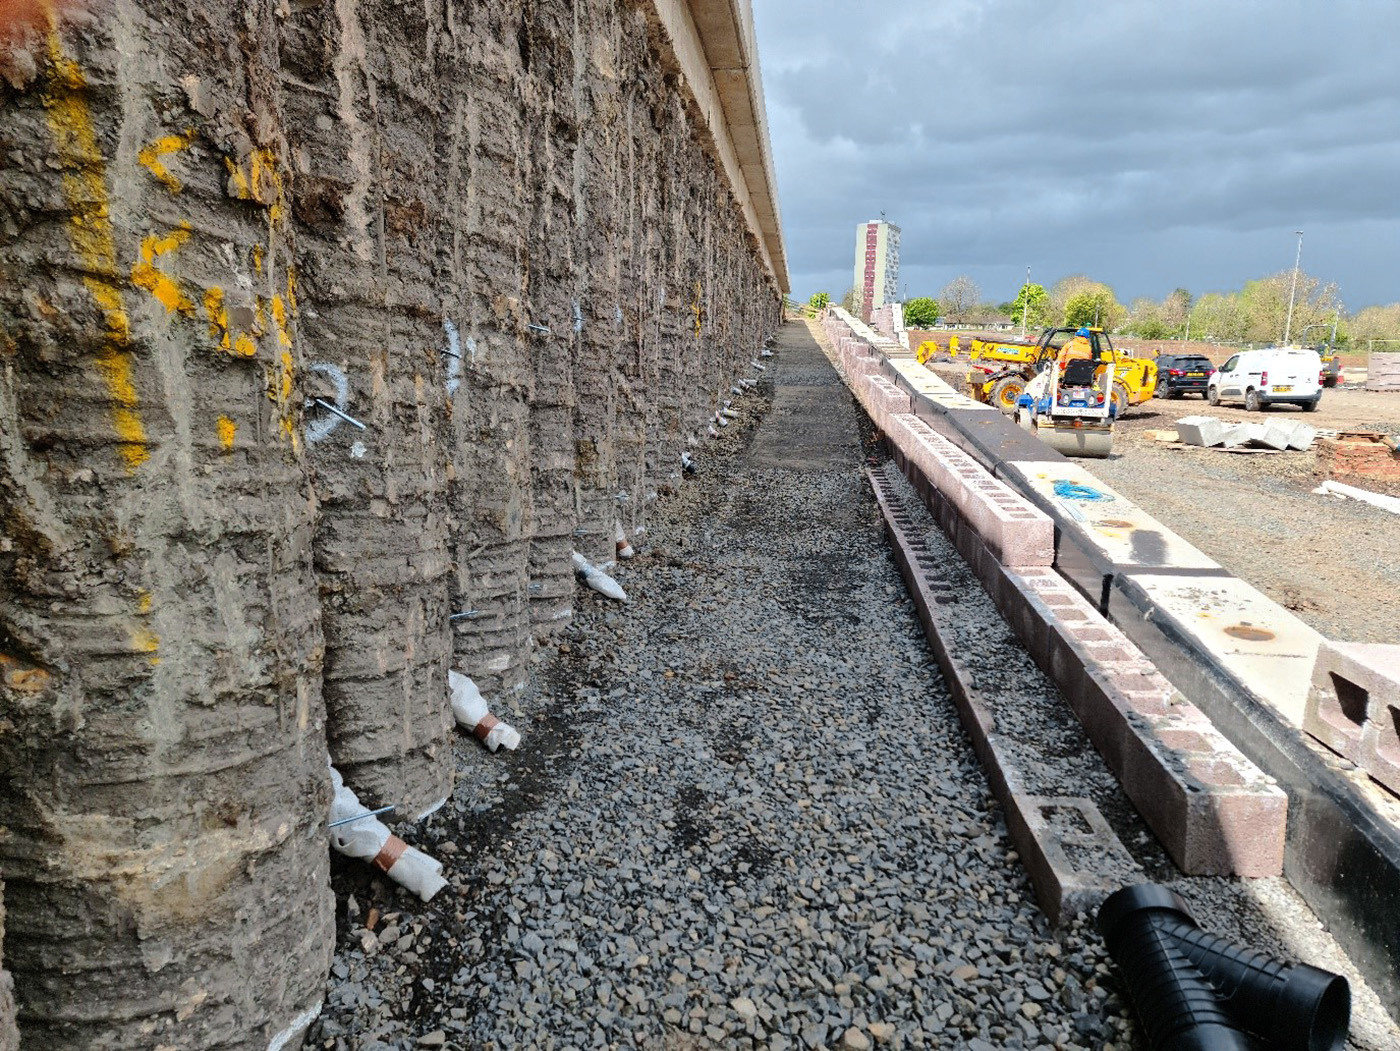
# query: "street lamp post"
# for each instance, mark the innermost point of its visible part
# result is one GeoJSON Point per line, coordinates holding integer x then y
{"type": "Point", "coordinates": [1292, 292]}
{"type": "Point", "coordinates": [1025, 302]}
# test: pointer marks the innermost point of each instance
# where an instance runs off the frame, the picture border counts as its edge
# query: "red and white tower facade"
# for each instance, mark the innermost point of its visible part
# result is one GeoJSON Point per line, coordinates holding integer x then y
{"type": "Point", "coordinates": [877, 266]}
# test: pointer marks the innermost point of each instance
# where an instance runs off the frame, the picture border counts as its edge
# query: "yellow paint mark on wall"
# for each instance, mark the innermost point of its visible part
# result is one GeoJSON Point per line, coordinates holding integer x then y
{"type": "Point", "coordinates": [144, 640]}
{"type": "Point", "coordinates": [292, 286]}
{"type": "Point", "coordinates": [217, 314]}
{"type": "Point", "coordinates": [279, 317]}
{"type": "Point", "coordinates": [279, 391]}
{"type": "Point", "coordinates": [227, 430]}
{"type": "Point", "coordinates": [162, 286]}
{"type": "Point", "coordinates": [258, 259]}
{"type": "Point", "coordinates": [239, 344]}
{"type": "Point", "coordinates": [90, 233]}
{"type": "Point", "coordinates": [697, 310]}
{"type": "Point", "coordinates": [143, 602]}
{"type": "Point", "coordinates": [22, 676]}
{"type": "Point", "coordinates": [259, 181]}
{"type": "Point", "coordinates": [152, 153]}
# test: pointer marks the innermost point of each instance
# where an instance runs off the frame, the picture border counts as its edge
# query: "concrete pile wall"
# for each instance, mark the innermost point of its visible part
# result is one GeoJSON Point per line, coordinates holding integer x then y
{"type": "Point", "coordinates": [9, 1033]}
{"type": "Point", "coordinates": [495, 236]}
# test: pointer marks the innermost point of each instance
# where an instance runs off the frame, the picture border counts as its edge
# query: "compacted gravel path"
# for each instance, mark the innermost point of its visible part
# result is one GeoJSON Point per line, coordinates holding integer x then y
{"type": "Point", "coordinates": [744, 813]}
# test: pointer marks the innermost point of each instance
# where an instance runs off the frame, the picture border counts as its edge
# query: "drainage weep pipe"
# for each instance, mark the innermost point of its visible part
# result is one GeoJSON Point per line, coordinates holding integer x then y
{"type": "Point", "coordinates": [1196, 992]}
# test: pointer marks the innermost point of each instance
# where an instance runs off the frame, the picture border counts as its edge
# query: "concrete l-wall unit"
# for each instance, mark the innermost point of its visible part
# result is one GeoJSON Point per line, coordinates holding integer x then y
{"type": "Point", "coordinates": [1242, 660]}
{"type": "Point", "coordinates": [321, 325]}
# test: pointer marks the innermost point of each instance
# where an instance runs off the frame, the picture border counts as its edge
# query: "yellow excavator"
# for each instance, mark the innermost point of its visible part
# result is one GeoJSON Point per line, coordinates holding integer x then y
{"type": "Point", "coordinates": [1000, 369]}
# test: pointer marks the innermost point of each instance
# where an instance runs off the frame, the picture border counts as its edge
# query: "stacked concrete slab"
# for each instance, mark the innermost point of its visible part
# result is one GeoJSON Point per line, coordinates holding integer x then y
{"type": "Point", "coordinates": [1382, 371]}
{"type": "Point", "coordinates": [1209, 432]}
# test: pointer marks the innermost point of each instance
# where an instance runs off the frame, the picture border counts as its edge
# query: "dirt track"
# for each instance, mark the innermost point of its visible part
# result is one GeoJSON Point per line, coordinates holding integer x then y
{"type": "Point", "coordinates": [1335, 563]}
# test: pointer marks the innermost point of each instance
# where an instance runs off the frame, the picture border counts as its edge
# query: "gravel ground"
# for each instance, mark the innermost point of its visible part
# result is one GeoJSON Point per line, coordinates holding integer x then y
{"type": "Point", "coordinates": [744, 812]}
{"type": "Point", "coordinates": [1334, 563]}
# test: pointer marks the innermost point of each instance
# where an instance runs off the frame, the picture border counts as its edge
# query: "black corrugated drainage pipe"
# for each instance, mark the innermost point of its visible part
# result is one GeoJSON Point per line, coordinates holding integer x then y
{"type": "Point", "coordinates": [1196, 992]}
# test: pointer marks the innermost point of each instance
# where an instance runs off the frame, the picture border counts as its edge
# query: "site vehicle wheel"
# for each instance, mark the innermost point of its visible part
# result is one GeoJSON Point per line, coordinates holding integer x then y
{"type": "Point", "coordinates": [1120, 399]}
{"type": "Point", "coordinates": [1162, 390]}
{"type": "Point", "coordinates": [1252, 402]}
{"type": "Point", "coordinates": [1213, 395]}
{"type": "Point", "coordinates": [1311, 406]}
{"type": "Point", "coordinates": [1330, 381]}
{"type": "Point", "coordinates": [1005, 393]}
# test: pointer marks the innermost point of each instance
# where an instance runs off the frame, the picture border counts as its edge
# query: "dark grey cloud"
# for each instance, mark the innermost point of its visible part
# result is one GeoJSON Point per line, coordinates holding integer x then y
{"type": "Point", "coordinates": [1150, 145]}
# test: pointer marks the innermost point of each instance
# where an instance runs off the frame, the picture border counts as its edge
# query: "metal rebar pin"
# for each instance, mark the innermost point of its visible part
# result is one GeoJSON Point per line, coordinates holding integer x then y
{"type": "Point", "coordinates": [538, 328]}
{"type": "Point", "coordinates": [450, 354]}
{"type": "Point", "coordinates": [361, 817]}
{"type": "Point", "coordinates": [466, 615]}
{"type": "Point", "coordinates": [343, 415]}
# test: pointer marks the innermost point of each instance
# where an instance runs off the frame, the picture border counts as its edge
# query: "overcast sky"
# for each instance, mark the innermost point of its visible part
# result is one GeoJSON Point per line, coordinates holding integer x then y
{"type": "Point", "coordinates": [1149, 144]}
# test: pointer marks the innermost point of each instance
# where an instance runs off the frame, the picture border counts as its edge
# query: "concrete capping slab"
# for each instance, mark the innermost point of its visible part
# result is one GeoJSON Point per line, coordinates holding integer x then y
{"type": "Point", "coordinates": [1063, 887]}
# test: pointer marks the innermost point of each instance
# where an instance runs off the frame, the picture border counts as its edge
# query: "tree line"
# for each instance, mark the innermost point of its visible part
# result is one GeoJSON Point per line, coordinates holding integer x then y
{"type": "Point", "coordinates": [1256, 313]}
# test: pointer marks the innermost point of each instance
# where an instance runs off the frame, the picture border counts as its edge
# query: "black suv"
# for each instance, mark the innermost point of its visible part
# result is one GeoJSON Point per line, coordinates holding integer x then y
{"type": "Point", "coordinates": [1179, 374]}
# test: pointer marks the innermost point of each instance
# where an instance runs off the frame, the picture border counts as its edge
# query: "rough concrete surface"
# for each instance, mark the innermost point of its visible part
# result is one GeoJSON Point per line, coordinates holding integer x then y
{"type": "Point", "coordinates": [493, 235]}
{"type": "Point", "coordinates": [9, 1033]}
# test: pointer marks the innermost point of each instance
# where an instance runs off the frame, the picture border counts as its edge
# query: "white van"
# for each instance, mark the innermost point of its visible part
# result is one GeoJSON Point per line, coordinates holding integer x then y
{"type": "Point", "coordinates": [1274, 375]}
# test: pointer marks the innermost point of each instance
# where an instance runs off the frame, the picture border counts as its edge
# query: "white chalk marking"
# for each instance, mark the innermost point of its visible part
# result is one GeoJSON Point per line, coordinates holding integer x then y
{"type": "Point", "coordinates": [454, 360]}
{"type": "Point", "coordinates": [299, 1023]}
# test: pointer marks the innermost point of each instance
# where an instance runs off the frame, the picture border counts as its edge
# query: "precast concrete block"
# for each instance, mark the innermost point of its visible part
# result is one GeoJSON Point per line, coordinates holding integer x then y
{"type": "Point", "coordinates": [886, 400]}
{"type": "Point", "coordinates": [1353, 706]}
{"type": "Point", "coordinates": [1241, 434]}
{"type": "Point", "coordinates": [1274, 436]}
{"type": "Point", "coordinates": [1302, 437]}
{"type": "Point", "coordinates": [1205, 431]}
{"type": "Point", "coordinates": [1214, 811]}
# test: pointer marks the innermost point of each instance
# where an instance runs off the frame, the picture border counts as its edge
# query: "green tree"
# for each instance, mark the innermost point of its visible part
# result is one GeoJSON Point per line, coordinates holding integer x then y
{"type": "Point", "coordinates": [1378, 322]}
{"type": "Point", "coordinates": [819, 300]}
{"type": "Point", "coordinates": [1036, 302]}
{"type": "Point", "coordinates": [1146, 320]}
{"type": "Point", "coordinates": [1218, 316]}
{"type": "Point", "coordinates": [920, 312]}
{"type": "Point", "coordinates": [849, 302]}
{"type": "Point", "coordinates": [1265, 306]}
{"type": "Point", "coordinates": [1093, 304]}
{"type": "Point", "coordinates": [959, 296]}
{"type": "Point", "coordinates": [1176, 308]}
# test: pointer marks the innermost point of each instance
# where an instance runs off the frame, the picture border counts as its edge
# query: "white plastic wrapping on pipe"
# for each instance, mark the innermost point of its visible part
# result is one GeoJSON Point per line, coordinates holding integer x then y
{"type": "Point", "coordinates": [369, 839]}
{"type": "Point", "coordinates": [624, 546]}
{"type": "Point", "coordinates": [470, 710]}
{"type": "Point", "coordinates": [597, 579]}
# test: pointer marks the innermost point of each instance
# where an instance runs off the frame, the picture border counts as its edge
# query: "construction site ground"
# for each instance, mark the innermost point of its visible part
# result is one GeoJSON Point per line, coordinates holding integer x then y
{"type": "Point", "coordinates": [745, 813]}
{"type": "Point", "coordinates": [1333, 562]}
